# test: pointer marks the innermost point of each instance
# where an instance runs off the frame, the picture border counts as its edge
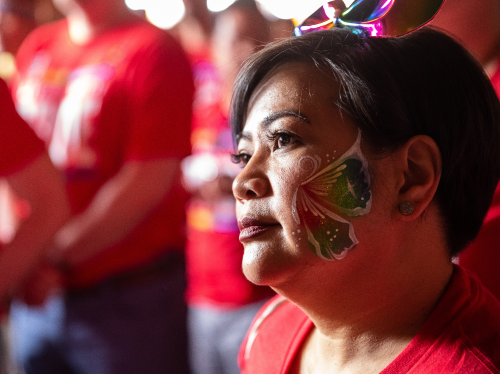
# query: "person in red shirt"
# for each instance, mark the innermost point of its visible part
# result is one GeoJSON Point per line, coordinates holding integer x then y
{"type": "Point", "coordinates": [478, 27]}
{"type": "Point", "coordinates": [368, 164]}
{"type": "Point", "coordinates": [222, 302]}
{"type": "Point", "coordinates": [27, 169]}
{"type": "Point", "coordinates": [111, 96]}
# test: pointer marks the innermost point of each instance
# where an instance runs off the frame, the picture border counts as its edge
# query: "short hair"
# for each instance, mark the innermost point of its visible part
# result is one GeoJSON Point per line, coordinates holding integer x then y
{"type": "Point", "coordinates": [396, 88]}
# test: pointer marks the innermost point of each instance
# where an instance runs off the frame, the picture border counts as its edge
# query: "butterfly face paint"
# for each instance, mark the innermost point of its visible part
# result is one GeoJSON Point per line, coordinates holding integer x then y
{"type": "Point", "coordinates": [342, 186]}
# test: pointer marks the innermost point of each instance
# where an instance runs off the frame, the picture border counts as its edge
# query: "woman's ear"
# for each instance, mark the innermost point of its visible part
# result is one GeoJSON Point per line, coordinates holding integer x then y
{"type": "Point", "coordinates": [419, 166]}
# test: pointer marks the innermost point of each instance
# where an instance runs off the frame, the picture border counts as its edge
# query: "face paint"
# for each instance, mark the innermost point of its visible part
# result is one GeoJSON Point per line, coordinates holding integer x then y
{"type": "Point", "coordinates": [343, 185]}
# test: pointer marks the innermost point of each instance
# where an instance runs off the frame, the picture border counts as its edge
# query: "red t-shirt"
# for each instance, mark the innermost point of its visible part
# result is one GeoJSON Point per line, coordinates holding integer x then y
{"type": "Point", "coordinates": [462, 335]}
{"type": "Point", "coordinates": [124, 96]}
{"type": "Point", "coordinates": [19, 146]}
{"type": "Point", "coordinates": [214, 272]}
{"type": "Point", "coordinates": [482, 256]}
{"type": "Point", "coordinates": [214, 252]}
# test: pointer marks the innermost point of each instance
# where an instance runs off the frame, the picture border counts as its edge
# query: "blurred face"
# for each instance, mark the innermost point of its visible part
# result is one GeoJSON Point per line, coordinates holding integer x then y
{"type": "Point", "coordinates": [67, 7]}
{"type": "Point", "coordinates": [64, 6]}
{"type": "Point", "coordinates": [236, 37]}
{"type": "Point", "coordinates": [14, 27]}
{"type": "Point", "coordinates": [305, 185]}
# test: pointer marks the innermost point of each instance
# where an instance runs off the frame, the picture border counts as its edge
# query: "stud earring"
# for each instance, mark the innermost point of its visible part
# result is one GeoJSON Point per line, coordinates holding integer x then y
{"type": "Point", "coordinates": [406, 208]}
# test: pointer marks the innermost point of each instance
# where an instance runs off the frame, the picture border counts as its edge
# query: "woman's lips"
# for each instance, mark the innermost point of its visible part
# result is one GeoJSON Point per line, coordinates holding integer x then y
{"type": "Point", "coordinates": [251, 227]}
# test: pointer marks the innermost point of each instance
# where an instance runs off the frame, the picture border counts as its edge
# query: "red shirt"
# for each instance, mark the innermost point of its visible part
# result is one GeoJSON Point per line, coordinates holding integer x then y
{"type": "Point", "coordinates": [482, 256]}
{"type": "Point", "coordinates": [213, 252]}
{"type": "Point", "coordinates": [19, 146]}
{"type": "Point", "coordinates": [214, 272]}
{"type": "Point", "coordinates": [462, 335]}
{"type": "Point", "coordinates": [124, 96]}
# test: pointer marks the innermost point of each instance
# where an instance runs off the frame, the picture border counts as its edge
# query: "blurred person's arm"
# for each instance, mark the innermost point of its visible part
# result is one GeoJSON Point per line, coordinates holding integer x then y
{"type": "Point", "coordinates": [209, 176]}
{"type": "Point", "coordinates": [118, 207]}
{"type": "Point", "coordinates": [40, 185]}
{"type": "Point", "coordinates": [159, 91]}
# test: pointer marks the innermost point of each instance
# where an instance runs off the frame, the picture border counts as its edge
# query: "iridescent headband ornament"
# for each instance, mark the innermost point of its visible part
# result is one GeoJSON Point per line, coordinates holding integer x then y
{"type": "Point", "coordinates": [376, 17]}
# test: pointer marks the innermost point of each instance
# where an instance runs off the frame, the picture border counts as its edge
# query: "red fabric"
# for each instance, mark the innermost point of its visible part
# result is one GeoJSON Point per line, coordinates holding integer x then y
{"type": "Point", "coordinates": [482, 256]}
{"type": "Point", "coordinates": [214, 271]}
{"type": "Point", "coordinates": [214, 252]}
{"type": "Point", "coordinates": [124, 96]}
{"type": "Point", "coordinates": [18, 144]}
{"type": "Point", "coordinates": [462, 335]}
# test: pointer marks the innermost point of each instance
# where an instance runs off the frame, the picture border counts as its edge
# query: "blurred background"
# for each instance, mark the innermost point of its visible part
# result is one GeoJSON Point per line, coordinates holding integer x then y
{"type": "Point", "coordinates": [218, 36]}
{"type": "Point", "coordinates": [167, 13]}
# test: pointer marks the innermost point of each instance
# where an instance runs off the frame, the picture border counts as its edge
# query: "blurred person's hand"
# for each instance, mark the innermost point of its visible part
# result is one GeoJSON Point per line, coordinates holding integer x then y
{"type": "Point", "coordinates": [217, 189]}
{"type": "Point", "coordinates": [45, 281]}
{"type": "Point", "coordinates": [59, 253]}
{"type": "Point", "coordinates": [209, 176]}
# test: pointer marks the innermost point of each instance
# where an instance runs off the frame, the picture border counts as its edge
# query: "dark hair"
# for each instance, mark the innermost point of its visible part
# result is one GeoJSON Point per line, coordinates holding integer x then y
{"type": "Point", "coordinates": [396, 88]}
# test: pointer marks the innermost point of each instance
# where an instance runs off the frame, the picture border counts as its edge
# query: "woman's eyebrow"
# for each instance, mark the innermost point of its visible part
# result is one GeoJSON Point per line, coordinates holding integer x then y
{"type": "Point", "coordinates": [270, 119]}
{"type": "Point", "coordinates": [283, 113]}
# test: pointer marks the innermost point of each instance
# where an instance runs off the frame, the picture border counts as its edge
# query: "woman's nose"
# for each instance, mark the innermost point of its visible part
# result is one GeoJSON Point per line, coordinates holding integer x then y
{"type": "Point", "coordinates": [248, 185]}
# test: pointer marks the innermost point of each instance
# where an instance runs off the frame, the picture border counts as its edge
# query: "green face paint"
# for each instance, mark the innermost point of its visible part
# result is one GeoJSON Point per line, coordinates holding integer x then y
{"type": "Point", "coordinates": [342, 186]}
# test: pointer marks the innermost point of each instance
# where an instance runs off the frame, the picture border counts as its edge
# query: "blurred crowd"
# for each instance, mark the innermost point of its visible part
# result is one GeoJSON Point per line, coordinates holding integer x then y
{"type": "Point", "coordinates": [120, 246]}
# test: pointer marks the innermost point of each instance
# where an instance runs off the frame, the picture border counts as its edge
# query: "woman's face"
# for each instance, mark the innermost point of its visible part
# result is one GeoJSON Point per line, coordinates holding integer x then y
{"type": "Point", "coordinates": [305, 189]}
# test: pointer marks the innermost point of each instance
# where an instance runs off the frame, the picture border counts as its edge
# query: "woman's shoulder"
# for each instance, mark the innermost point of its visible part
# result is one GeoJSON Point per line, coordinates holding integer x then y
{"type": "Point", "coordinates": [479, 322]}
{"type": "Point", "coordinates": [462, 335]}
{"type": "Point", "coordinates": [275, 337]}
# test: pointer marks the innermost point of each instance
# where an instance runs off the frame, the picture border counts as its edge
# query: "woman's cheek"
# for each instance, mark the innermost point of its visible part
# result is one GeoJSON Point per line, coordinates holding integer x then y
{"type": "Point", "coordinates": [329, 189]}
{"type": "Point", "coordinates": [286, 179]}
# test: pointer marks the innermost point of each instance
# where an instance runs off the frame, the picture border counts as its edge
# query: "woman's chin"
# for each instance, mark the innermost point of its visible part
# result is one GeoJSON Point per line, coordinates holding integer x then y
{"type": "Point", "coordinates": [267, 265]}
{"type": "Point", "coordinates": [254, 263]}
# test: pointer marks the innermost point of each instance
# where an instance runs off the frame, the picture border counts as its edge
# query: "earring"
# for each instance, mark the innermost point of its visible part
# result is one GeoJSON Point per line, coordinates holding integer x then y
{"type": "Point", "coordinates": [406, 208]}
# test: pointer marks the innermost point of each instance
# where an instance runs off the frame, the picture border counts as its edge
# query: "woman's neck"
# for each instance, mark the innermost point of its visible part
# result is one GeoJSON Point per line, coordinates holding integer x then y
{"type": "Point", "coordinates": [363, 323]}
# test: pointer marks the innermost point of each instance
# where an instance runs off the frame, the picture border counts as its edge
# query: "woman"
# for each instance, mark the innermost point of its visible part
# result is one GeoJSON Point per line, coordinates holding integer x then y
{"type": "Point", "coordinates": [368, 164]}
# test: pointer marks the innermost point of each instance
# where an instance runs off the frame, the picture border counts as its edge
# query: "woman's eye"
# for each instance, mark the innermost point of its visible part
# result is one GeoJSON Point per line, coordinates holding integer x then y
{"type": "Point", "coordinates": [241, 158]}
{"type": "Point", "coordinates": [283, 140]}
